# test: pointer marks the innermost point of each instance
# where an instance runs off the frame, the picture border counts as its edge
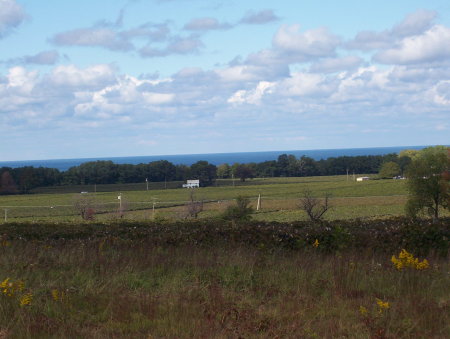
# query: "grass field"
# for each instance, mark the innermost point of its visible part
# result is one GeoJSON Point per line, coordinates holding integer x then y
{"type": "Point", "coordinates": [350, 199]}
{"type": "Point", "coordinates": [116, 288]}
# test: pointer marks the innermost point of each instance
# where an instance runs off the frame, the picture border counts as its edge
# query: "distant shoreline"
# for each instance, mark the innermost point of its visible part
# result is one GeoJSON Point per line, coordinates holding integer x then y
{"type": "Point", "coordinates": [213, 158]}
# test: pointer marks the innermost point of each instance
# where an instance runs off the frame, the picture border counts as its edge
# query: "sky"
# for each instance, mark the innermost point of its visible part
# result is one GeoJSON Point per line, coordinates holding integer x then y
{"type": "Point", "coordinates": [106, 78]}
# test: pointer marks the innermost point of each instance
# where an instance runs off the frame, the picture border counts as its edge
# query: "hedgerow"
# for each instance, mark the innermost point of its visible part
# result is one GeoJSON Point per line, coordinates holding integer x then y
{"type": "Point", "coordinates": [388, 235]}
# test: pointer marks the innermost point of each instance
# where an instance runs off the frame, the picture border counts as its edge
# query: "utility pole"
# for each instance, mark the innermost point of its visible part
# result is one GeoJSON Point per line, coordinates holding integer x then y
{"type": "Point", "coordinates": [232, 176]}
{"type": "Point", "coordinates": [146, 180]}
{"type": "Point", "coordinates": [347, 174]}
{"type": "Point", "coordinates": [120, 201]}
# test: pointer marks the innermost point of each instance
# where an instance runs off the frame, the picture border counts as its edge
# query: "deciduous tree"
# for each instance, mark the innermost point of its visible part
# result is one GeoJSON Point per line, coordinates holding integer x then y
{"type": "Point", "coordinates": [428, 182]}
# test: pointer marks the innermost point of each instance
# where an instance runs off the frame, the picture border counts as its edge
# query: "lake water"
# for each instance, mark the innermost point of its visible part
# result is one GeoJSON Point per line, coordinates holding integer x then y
{"type": "Point", "coordinates": [213, 158]}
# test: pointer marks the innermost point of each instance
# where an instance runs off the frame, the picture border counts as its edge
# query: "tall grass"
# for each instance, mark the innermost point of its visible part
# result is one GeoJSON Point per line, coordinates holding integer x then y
{"type": "Point", "coordinates": [137, 281]}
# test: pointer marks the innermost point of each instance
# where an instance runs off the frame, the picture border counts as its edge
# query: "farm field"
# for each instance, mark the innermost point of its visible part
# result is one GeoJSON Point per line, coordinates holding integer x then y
{"type": "Point", "coordinates": [279, 199]}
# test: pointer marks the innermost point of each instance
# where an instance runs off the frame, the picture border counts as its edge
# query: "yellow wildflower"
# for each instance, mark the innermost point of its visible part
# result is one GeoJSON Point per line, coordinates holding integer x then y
{"type": "Point", "coordinates": [58, 295]}
{"type": "Point", "coordinates": [316, 243]}
{"type": "Point", "coordinates": [26, 299]}
{"type": "Point", "coordinates": [4, 283]}
{"type": "Point", "coordinates": [406, 259]}
{"type": "Point", "coordinates": [382, 305]}
{"type": "Point", "coordinates": [55, 294]}
{"type": "Point", "coordinates": [363, 310]}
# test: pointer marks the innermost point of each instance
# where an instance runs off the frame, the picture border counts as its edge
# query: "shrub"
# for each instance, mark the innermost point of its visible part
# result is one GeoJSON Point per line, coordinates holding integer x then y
{"type": "Point", "coordinates": [240, 211]}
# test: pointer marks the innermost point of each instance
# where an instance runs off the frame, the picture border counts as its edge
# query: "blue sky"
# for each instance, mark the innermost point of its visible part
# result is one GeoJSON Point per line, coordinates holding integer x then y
{"type": "Point", "coordinates": [123, 78]}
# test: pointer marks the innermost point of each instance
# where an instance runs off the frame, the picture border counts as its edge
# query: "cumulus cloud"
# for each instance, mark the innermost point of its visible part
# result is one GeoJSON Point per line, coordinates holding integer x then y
{"type": "Point", "coordinates": [70, 76]}
{"type": "Point", "coordinates": [414, 24]}
{"type": "Point", "coordinates": [11, 16]}
{"type": "Point", "coordinates": [431, 46]}
{"type": "Point", "coordinates": [259, 18]}
{"type": "Point", "coordinates": [329, 65]}
{"type": "Point", "coordinates": [441, 93]}
{"type": "Point", "coordinates": [205, 24]}
{"type": "Point", "coordinates": [253, 96]}
{"type": "Point", "coordinates": [318, 42]}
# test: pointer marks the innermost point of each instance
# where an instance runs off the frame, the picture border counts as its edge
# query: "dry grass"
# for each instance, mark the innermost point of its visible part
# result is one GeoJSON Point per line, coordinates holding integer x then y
{"type": "Point", "coordinates": [124, 288]}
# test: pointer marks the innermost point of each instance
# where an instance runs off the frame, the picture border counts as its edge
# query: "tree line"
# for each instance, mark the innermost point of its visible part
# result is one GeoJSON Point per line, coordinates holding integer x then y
{"type": "Point", "coordinates": [24, 179]}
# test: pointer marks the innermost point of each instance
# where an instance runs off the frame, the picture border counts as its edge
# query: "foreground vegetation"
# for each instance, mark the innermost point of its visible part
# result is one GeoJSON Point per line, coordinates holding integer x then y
{"type": "Point", "coordinates": [223, 279]}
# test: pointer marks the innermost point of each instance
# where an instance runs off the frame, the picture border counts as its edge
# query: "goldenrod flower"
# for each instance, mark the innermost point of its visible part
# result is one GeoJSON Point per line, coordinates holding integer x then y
{"type": "Point", "coordinates": [382, 305]}
{"type": "Point", "coordinates": [363, 310]}
{"type": "Point", "coordinates": [26, 299]}
{"type": "Point", "coordinates": [316, 243]}
{"type": "Point", "coordinates": [406, 259]}
{"type": "Point", "coordinates": [58, 295]}
{"type": "Point", "coordinates": [55, 295]}
{"type": "Point", "coordinates": [4, 283]}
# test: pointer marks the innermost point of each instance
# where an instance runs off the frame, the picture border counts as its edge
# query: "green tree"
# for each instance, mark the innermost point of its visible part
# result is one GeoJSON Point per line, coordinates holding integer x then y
{"type": "Point", "coordinates": [389, 169]}
{"type": "Point", "coordinates": [428, 182]}
{"type": "Point", "coordinates": [244, 171]}
{"type": "Point", "coordinates": [223, 171]}
{"type": "Point", "coordinates": [205, 172]}
{"type": "Point", "coordinates": [7, 184]}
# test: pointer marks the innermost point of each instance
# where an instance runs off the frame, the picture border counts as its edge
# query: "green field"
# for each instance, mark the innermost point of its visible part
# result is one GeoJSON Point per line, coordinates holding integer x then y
{"type": "Point", "coordinates": [279, 199]}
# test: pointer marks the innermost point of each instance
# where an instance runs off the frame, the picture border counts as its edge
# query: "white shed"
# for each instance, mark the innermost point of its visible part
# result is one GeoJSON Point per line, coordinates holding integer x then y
{"type": "Point", "coordinates": [362, 178]}
{"type": "Point", "coordinates": [192, 183]}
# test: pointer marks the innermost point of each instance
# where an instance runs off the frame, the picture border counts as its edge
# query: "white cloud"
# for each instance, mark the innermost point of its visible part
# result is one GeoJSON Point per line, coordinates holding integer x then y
{"type": "Point", "coordinates": [259, 18]}
{"type": "Point", "coordinates": [252, 96]}
{"type": "Point", "coordinates": [430, 46]}
{"type": "Point", "coordinates": [178, 45]}
{"type": "Point", "coordinates": [414, 24]}
{"type": "Point", "coordinates": [205, 24]}
{"type": "Point", "coordinates": [329, 65]}
{"type": "Point", "coordinates": [90, 77]}
{"type": "Point", "coordinates": [149, 31]}
{"type": "Point", "coordinates": [441, 93]}
{"type": "Point", "coordinates": [11, 16]}
{"type": "Point", "coordinates": [42, 58]}
{"type": "Point", "coordinates": [19, 78]}
{"type": "Point", "coordinates": [305, 84]}
{"type": "Point", "coordinates": [93, 37]}
{"type": "Point", "coordinates": [312, 43]}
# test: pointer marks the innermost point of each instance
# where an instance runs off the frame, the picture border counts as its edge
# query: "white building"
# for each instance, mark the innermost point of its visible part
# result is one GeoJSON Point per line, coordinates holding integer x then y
{"type": "Point", "coordinates": [362, 178]}
{"type": "Point", "coordinates": [192, 184]}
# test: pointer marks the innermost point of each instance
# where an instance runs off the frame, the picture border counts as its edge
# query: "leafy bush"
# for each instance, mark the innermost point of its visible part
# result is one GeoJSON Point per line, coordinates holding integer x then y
{"type": "Point", "coordinates": [240, 211]}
